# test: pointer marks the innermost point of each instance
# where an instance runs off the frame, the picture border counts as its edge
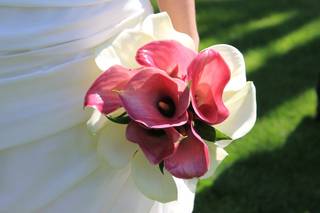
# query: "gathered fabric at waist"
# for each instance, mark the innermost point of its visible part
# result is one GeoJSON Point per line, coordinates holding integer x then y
{"type": "Point", "coordinates": [29, 28]}
{"type": "Point", "coordinates": [25, 49]}
{"type": "Point", "coordinates": [50, 3]}
{"type": "Point", "coordinates": [42, 89]}
{"type": "Point", "coordinates": [38, 105]}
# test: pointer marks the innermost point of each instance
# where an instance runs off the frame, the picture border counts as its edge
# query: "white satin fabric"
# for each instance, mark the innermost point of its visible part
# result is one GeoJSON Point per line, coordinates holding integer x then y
{"type": "Point", "coordinates": [48, 159]}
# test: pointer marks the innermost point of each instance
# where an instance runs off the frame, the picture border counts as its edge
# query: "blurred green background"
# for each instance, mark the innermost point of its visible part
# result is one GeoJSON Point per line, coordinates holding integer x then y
{"type": "Point", "coordinates": [275, 168]}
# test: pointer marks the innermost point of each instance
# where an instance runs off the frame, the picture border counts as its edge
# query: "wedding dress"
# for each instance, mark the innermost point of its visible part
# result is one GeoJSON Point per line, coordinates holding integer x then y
{"type": "Point", "coordinates": [48, 158]}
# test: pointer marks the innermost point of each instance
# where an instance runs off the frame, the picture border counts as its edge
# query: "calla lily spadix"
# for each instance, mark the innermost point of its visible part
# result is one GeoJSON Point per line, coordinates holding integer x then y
{"type": "Point", "coordinates": [163, 84]}
{"type": "Point", "coordinates": [154, 99]}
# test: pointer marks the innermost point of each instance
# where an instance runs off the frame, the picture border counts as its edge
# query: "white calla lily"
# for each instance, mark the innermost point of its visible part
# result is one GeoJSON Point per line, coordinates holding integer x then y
{"type": "Point", "coordinates": [97, 121]}
{"type": "Point", "coordinates": [161, 28]}
{"type": "Point", "coordinates": [113, 145]}
{"type": "Point", "coordinates": [151, 182]}
{"type": "Point", "coordinates": [235, 61]}
{"type": "Point", "coordinates": [243, 112]}
{"type": "Point", "coordinates": [106, 58]}
{"type": "Point", "coordinates": [223, 143]}
{"type": "Point", "coordinates": [124, 47]}
{"type": "Point", "coordinates": [217, 155]}
{"type": "Point", "coordinates": [127, 44]}
{"type": "Point", "coordinates": [239, 97]}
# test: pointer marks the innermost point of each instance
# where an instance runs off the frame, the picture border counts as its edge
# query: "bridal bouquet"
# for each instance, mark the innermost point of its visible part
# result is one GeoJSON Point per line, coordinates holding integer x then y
{"type": "Point", "coordinates": [167, 109]}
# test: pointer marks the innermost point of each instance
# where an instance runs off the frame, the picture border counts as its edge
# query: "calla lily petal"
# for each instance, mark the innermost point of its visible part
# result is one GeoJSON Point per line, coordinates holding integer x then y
{"type": "Point", "coordinates": [146, 89]}
{"type": "Point", "coordinates": [155, 144]}
{"type": "Point", "coordinates": [151, 182]}
{"type": "Point", "coordinates": [223, 143]}
{"type": "Point", "coordinates": [184, 98]}
{"type": "Point", "coordinates": [106, 57]}
{"type": "Point", "coordinates": [236, 64]}
{"type": "Point", "coordinates": [243, 112]}
{"type": "Point", "coordinates": [185, 201]}
{"type": "Point", "coordinates": [96, 121]}
{"type": "Point", "coordinates": [191, 158]}
{"type": "Point", "coordinates": [127, 44]}
{"type": "Point", "coordinates": [123, 49]}
{"type": "Point", "coordinates": [160, 27]}
{"type": "Point", "coordinates": [167, 55]}
{"type": "Point", "coordinates": [209, 74]}
{"type": "Point", "coordinates": [102, 95]}
{"type": "Point", "coordinates": [217, 155]}
{"type": "Point", "coordinates": [114, 147]}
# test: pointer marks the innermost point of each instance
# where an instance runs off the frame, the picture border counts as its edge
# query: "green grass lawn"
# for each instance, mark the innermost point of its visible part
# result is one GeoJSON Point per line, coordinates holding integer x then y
{"type": "Point", "coordinates": [275, 168]}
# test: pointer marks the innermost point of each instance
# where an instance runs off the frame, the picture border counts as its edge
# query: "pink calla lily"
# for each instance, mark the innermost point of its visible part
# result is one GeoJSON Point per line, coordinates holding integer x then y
{"type": "Point", "coordinates": [167, 55]}
{"type": "Point", "coordinates": [156, 144]}
{"type": "Point", "coordinates": [207, 70]}
{"type": "Point", "coordinates": [102, 94]}
{"type": "Point", "coordinates": [191, 159]}
{"type": "Point", "coordinates": [209, 75]}
{"type": "Point", "coordinates": [156, 100]}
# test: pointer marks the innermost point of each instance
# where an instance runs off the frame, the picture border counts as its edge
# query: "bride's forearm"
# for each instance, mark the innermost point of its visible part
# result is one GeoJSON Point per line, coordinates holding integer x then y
{"type": "Point", "coordinates": [183, 16]}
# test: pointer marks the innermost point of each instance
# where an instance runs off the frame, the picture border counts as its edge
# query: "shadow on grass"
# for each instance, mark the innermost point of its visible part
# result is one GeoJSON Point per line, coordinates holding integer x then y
{"type": "Point", "coordinates": [284, 180]}
{"type": "Point", "coordinates": [281, 77]}
{"type": "Point", "coordinates": [214, 17]}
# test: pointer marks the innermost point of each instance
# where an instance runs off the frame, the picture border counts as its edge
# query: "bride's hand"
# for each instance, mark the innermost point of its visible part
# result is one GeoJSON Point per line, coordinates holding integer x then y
{"type": "Point", "coordinates": [183, 16]}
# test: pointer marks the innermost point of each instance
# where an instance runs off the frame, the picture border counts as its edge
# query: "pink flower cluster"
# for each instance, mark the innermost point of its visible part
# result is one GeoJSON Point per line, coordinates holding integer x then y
{"type": "Point", "coordinates": [172, 89]}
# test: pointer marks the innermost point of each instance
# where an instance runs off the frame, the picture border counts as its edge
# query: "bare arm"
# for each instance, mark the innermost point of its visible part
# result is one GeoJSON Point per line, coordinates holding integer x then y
{"type": "Point", "coordinates": [183, 16]}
